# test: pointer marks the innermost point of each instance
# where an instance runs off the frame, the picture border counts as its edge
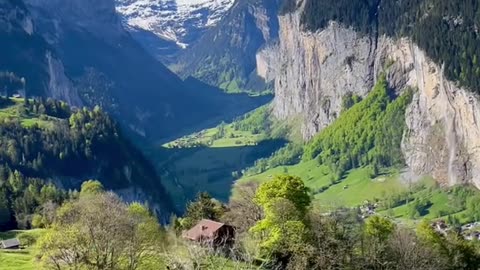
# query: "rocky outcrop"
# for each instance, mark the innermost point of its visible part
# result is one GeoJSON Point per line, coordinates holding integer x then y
{"type": "Point", "coordinates": [266, 59]}
{"type": "Point", "coordinates": [60, 87]}
{"type": "Point", "coordinates": [313, 71]}
{"type": "Point", "coordinates": [443, 132]}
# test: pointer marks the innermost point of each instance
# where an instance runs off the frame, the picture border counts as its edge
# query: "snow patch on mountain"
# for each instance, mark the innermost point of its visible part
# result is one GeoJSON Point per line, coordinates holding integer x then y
{"type": "Point", "coordinates": [181, 21]}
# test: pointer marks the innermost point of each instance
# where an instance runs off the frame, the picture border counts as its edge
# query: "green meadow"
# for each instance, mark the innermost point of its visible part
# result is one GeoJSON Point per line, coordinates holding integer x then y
{"type": "Point", "coordinates": [21, 259]}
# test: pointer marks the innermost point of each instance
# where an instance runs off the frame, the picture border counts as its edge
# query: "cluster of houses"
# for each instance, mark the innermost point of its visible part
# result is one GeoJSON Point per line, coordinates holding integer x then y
{"type": "Point", "coordinates": [206, 233]}
{"type": "Point", "coordinates": [368, 209]}
{"type": "Point", "coordinates": [193, 140]}
{"type": "Point", "coordinates": [10, 96]}
{"type": "Point", "coordinates": [472, 236]}
{"type": "Point", "coordinates": [470, 231]}
{"type": "Point", "coordinates": [216, 234]}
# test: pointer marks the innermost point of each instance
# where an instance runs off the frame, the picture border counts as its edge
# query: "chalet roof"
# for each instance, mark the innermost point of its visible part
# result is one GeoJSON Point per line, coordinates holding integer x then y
{"type": "Point", "coordinates": [10, 243]}
{"type": "Point", "coordinates": [205, 229]}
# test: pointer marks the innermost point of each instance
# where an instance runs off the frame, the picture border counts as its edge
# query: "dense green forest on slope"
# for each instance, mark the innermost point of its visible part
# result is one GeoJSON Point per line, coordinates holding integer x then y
{"type": "Point", "coordinates": [369, 133]}
{"type": "Point", "coordinates": [45, 142]}
{"type": "Point", "coordinates": [356, 158]}
{"type": "Point", "coordinates": [446, 30]}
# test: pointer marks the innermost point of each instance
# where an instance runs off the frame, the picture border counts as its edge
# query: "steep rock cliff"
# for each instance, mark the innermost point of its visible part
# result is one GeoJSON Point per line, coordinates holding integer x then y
{"type": "Point", "coordinates": [313, 71]}
{"type": "Point", "coordinates": [25, 54]}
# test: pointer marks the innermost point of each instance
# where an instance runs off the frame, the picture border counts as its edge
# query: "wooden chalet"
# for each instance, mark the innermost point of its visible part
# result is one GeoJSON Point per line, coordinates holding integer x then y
{"type": "Point", "coordinates": [210, 232]}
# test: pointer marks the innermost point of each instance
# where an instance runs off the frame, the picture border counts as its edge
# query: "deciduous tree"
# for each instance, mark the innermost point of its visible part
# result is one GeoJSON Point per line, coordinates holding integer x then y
{"type": "Point", "coordinates": [101, 232]}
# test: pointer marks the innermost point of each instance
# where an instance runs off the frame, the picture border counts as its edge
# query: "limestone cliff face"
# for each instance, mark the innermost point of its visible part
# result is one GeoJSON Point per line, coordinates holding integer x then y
{"type": "Point", "coordinates": [40, 67]}
{"type": "Point", "coordinates": [313, 71]}
{"type": "Point", "coordinates": [60, 87]}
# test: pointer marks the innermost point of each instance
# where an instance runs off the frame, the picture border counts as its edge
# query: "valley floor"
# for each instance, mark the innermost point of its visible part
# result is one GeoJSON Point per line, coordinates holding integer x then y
{"type": "Point", "coordinates": [212, 160]}
{"type": "Point", "coordinates": [205, 161]}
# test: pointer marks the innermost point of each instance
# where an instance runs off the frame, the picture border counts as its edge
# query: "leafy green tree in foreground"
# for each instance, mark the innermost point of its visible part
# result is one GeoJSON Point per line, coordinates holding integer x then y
{"type": "Point", "coordinates": [378, 231]}
{"type": "Point", "coordinates": [287, 187]}
{"type": "Point", "coordinates": [283, 233]}
{"type": "Point", "coordinates": [102, 232]}
{"type": "Point", "coordinates": [379, 228]}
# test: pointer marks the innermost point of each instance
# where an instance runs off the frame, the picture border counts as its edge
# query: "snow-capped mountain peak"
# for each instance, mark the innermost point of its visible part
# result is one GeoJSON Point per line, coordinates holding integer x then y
{"type": "Point", "coordinates": [181, 21]}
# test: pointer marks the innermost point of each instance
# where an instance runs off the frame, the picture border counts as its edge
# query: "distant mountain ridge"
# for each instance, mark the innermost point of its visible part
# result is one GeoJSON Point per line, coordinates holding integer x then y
{"type": "Point", "coordinates": [214, 41]}
{"type": "Point", "coordinates": [177, 20]}
{"type": "Point", "coordinates": [175, 24]}
{"type": "Point", "coordinates": [225, 55]}
{"type": "Point", "coordinates": [105, 65]}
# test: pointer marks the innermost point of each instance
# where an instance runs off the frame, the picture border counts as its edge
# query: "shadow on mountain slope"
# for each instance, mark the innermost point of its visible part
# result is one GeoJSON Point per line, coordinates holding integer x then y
{"type": "Point", "coordinates": [187, 171]}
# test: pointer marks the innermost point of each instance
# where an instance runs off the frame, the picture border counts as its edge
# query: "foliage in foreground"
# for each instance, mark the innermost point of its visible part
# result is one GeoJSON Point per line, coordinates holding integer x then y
{"type": "Point", "coordinates": [277, 228]}
{"type": "Point", "coordinates": [342, 240]}
{"type": "Point", "coordinates": [99, 231]}
{"type": "Point", "coordinates": [284, 232]}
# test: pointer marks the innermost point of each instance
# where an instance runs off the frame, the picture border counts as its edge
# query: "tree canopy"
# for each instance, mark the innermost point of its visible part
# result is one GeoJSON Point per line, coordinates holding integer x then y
{"type": "Point", "coordinates": [284, 230]}
{"type": "Point", "coordinates": [286, 187]}
{"type": "Point", "coordinates": [101, 232]}
{"type": "Point", "coordinates": [369, 133]}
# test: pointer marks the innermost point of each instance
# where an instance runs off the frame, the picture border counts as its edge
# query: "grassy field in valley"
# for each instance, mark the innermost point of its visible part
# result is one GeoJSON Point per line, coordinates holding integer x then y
{"type": "Point", "coordinates": [206, 161]}
{"type": "Point", "coordinates": [211, 160]}
{"type": "Point", "coordinates": [230, 138]}
{"type": "Point", "coordinates": [356, 187]}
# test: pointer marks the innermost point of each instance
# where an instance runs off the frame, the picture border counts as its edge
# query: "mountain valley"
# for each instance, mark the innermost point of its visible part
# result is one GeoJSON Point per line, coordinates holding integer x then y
{"type": "Point", "coordinates": [239, 134]}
